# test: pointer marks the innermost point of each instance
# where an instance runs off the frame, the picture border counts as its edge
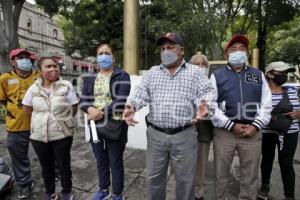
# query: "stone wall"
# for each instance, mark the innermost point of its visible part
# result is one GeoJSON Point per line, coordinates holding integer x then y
{"type": "Point", "coordinates": [40, 33]}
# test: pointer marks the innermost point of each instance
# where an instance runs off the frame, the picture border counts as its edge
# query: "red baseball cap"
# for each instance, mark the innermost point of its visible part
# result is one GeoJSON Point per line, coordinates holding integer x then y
{"type": "Point", "coordinates": [238, 38]}
{"type": "Point", "coordinates": [33, 56]}
{"type": "Point", "coordinates": [17, 51]}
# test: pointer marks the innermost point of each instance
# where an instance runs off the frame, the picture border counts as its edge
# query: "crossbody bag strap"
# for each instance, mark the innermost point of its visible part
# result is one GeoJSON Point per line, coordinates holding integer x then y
{"type": "Point", "coordinates": [285, 95]}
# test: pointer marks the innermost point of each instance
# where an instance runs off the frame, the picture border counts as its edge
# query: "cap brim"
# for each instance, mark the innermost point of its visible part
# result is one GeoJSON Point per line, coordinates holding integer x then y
{"type": "Point", "coordinates": [288, 69]}
{"type": "Point", "coordinates": [239, 38]}
{"type": "Point", "coordinates": [162, 39]}
{"type": "Point", "coordinates": [19, 52]}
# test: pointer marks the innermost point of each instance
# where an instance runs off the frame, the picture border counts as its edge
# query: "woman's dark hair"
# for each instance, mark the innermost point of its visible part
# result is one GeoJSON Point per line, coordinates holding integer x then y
{"type": "Point", "coordinates": [105, 44]}
{"type": "Point", "coordinates": [41, 60]}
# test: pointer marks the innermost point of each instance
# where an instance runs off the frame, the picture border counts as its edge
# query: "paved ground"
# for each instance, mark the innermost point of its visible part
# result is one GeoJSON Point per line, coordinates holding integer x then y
{"type": "Point", "coordinates": [85, 175]}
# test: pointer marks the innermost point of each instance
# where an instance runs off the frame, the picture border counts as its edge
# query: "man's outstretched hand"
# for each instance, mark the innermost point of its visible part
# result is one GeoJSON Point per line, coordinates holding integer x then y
{"type": "Point", "coordinates": [128, 115]}
{"type": "Point", "coordinates": [202, 112]}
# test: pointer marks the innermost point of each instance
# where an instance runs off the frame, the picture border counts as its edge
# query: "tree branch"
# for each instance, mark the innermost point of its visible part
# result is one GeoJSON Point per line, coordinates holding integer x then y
{"type": "Point", "coordinates": [7, 21]}
{"type": "Point", "coordinates": [2, 34]}
{"type": "Point", "coordinates": [16, 17]}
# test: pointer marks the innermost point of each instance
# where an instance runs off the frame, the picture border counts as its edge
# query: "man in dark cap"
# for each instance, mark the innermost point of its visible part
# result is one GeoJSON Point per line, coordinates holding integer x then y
{"type": "Point", "coordinates": [245, 105]}
{"type": "Point", "coordinates": [13, 86]}
{"type": "Point", "coordinates": [177, 93]}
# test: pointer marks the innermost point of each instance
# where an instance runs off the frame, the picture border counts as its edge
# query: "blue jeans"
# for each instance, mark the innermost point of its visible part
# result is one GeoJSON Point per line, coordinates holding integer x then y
{"type": "Point", "coordinates": [17, 145]}
{"type": "Point", "coordinates": [109, 156]}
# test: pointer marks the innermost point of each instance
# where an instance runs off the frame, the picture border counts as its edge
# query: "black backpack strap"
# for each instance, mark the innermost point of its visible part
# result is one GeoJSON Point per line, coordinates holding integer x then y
{"type": "Point", "coordinates": [285, 95]}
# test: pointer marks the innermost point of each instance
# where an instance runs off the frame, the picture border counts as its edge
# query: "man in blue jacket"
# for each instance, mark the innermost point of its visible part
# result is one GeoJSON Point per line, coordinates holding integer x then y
{"type": "Point", "coordinates": [244, 105]}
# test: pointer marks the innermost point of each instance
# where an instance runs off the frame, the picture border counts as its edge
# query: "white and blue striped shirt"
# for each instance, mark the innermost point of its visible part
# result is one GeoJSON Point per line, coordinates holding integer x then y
{"type": "Point", "coordinates": [293, 96]}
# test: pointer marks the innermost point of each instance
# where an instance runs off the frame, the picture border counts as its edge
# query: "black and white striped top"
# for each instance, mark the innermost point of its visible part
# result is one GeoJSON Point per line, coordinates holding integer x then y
{"type": "Point", "coordinates": [293, 96]}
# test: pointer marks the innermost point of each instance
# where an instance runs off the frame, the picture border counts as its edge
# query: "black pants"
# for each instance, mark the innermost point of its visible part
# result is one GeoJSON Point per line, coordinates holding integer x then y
{"type": "Point", "coordinates": [47, 153]}
{"type": "Point", "coordinates": [285, 158]}
{"type": "Point", "coordinates": [17, 145]}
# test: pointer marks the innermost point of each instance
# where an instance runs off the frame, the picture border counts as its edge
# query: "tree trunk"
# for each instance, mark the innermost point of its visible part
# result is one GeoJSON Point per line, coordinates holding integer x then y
{"type": "Point", "coordinates": [4, 63]}
{"type": "Point", "coordinates": [262, 31]}
{"type": "Point", "coordinates": [262, 45]}
{"type": "Point", "coordinates": [10, 12]}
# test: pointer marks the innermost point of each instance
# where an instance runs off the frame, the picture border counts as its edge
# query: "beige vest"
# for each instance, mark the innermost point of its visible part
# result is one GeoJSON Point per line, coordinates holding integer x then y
{"type": "Point", "coordinates": [52, 115]}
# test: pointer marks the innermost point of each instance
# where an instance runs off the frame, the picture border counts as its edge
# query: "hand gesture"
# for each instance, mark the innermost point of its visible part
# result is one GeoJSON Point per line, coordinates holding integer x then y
{"type": "Point", "coordinates": [94, 114]}
{"type": "Point", "coordinates": [294, 114]}
{"type": "Point", "coordinates": [202, 112]}
{"type": "Point", "coordinates": [128, 115]}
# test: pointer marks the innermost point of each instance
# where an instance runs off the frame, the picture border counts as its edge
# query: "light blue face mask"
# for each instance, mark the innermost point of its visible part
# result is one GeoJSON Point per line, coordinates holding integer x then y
{"type": "Point", "coordinates": [168, 57]}
{"type": "Point", "coordinates": [237, 59]}
{"type": "Point", "coordinates": [24, 64]}
{"type": "Point", "coordinates": [105, 61]}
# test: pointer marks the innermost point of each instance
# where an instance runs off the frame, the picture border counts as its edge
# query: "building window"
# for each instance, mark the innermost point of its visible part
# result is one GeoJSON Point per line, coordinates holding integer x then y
{"type": "Point", "coordinates": [74, 68]}
{"type": "Point", "coordinates": [55, 33]}
{"type": "Point", "coordinates": [29, 25]}
{"type": "Point", "coordinates": [84, 69]}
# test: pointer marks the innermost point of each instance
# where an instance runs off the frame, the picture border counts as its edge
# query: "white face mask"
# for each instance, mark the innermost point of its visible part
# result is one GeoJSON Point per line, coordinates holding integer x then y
{"type": "Point", "coordinates": [237, 59]}
{"type": "Point", "coordinates": [168, 57]}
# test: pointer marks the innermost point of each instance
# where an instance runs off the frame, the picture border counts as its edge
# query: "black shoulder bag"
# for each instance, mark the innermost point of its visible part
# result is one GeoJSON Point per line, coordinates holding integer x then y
{"type": "Point", "coordinates": [279, 121]}
{"type": "Point", "coordinates": [109, 129]}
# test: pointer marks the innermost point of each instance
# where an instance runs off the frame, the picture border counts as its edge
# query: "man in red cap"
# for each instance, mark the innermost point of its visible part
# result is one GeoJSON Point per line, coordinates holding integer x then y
{"type": "Point", "coordinates": [244, 106]}
{"type": "Point", "coordinates": [13, 86]}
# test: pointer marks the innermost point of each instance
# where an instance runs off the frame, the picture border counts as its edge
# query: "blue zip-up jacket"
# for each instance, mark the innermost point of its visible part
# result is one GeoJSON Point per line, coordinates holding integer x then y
{"type": "Point", "coordinates": [119, 89]}
{"type": "Point", "coordinates": [242, 97]}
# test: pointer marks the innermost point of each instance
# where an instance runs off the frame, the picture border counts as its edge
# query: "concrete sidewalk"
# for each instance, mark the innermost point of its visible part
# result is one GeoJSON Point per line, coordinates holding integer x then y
{"type": "Point", "coordinates": [85, 179]}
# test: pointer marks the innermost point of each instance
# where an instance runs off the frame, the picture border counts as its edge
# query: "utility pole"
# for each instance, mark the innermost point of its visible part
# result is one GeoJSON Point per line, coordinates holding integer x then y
{"type": "Point", "coordinates": [131, 36]}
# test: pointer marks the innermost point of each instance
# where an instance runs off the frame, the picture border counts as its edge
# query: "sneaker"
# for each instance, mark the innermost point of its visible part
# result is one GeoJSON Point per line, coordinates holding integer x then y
{"type": "Point", "coordinates": [67, 196]}
{"type": "Point", "coordinates": [25, 192]}
{"type": "Point", "coordinates": [51, 196]}
{"type": "Point", "coordinates": [263, 192]}
{"type": "Point", "coordinates": [102, 195]}
{"type": "Point", "coordinates": [118, 197]}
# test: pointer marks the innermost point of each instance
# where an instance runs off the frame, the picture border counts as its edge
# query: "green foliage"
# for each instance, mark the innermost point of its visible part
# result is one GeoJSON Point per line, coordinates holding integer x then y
{"type": "Point", "coordinates": [201, 23]}
{"type": "Point", "coordinates": [284, 43]}
{"type": "Point", "coordinates": [85, 23]}
{"type": "Point", "coordinates": [89, 22]}
{"type": "Point", "coordinates": [204, 24]}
